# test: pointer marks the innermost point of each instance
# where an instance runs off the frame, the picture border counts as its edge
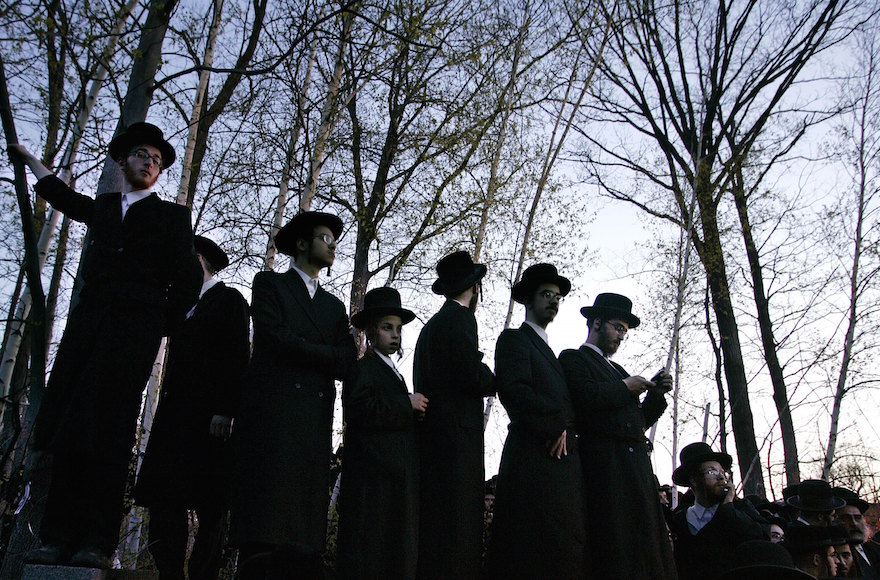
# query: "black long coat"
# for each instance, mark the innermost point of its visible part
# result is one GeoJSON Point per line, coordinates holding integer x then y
{"type": "Point", "coordinates": [282, 436]}
{"type": "Point", "coordinates": [449, 371]}
{"type": "Point", "coordinates": [623, 507]}
{"type": "Point", "coordinates": [183, 463]}
{"type": "Point", "coordinates": [538, 526]}
{"type": "Point", "coordinates": [140, 277]}
{"type": "Point", "coordinates": [710, 551]}
{"type": "Point", "coordinates": [379, 494]}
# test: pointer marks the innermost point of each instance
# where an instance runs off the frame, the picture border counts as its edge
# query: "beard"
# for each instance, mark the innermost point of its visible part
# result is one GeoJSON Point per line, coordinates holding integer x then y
{"type": "Point", "coordinates": [135, 178]}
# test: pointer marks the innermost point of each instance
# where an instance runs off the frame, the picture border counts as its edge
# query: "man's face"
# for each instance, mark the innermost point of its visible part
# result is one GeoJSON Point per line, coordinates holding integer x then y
{"type": "Point", "coordinates": [140, 167]}
{"type": "Point", "coordinates": [321, 252]}
{"type": "Point", "coordinates": [851, 518]}
{"type": "Point", "coordinates": [544, 304]}
{"type": "Point", "coordinates": [709, 482]}
{"type": "Point", "coordinates": [610, 333]}
{"type": "Point", "coordinates": [844, 560]}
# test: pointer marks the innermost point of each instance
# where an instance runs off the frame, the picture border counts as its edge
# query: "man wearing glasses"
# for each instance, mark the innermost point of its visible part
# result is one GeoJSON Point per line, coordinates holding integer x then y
{"type": "Point", "coordinates": [282, 434]}
{"type": "Point", "coordinates": [706, 533]}
{"type": "Point", "coordinates": [625, 526]}
{"type": "Point", "coordinates": [140, 277]}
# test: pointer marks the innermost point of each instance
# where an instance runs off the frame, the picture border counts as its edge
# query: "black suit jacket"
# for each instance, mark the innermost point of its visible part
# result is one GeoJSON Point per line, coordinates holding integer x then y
{"type": "Point", "coordinates": [283, 429]}
{"type": "Point", "coordinates": [140, 277]}
{"type": "Point", "coordinates": [206, 359]}
{"type": "Point", "coordinates": [449, 371]}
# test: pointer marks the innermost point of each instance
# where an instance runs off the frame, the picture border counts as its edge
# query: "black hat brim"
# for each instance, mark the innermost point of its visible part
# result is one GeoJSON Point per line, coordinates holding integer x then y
{"type": "Point", "coordinates": [456, 287]}
{"type": "Point", "coordinates": [609, 313]}
{"type": "Point", "coordinates": [300, 227]}
{"type": "Point", "coordinates": [363, 318]}
{"type": "Point", "coordinates": [522, 289]}
{"type": "Point", "coordinates": [213, 253]}
{"type": "Point", "coordinates": [121, 145]}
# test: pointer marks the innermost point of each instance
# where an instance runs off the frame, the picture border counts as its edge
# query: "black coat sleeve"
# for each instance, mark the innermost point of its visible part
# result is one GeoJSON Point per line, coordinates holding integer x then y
{"type": "Point", "coordinates": [476, 378]}
{"type": "Point", "coordinates": [185, 270]}
{"type": "Point", "coordinates": [374, 399]}
{"type": "Point", "coordinates": [235, 352]}
{"type": "Point", "coordinates": [76, 206]}
{"type": "Point", "coordinates": [589, 390]}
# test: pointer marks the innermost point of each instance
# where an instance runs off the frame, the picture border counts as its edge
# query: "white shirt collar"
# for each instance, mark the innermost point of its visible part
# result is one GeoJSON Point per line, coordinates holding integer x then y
{"type": "Point", "coordinates": [311, 283]}
{"type": "Point", "coordinates": [539, 331]}
{"type": "Point", "coordinates": [207, 285]}
{"type": "Point", "coordinates": [597, 349]}
{"type": "Point", "coordinates": [698, 516]}
{"type": "Point", "coordinates": [131, 197]}
{"type": "Point", "coordinates": [387, 360]}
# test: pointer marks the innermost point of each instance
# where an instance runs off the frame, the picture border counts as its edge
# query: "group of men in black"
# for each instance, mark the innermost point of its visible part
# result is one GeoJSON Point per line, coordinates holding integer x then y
{"type": "Point", "coordinates": [576, 496]}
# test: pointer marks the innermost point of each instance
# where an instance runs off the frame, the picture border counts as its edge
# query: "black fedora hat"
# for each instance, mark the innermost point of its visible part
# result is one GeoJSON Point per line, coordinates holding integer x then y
{"type": "Point", "coordinates": [694, 454]}
{"type": "Point", "coordinates": [612, 305]}
{"type": "Point", "coordinates": [760, 560]}
{"type": "Point", "coordinates": [456, 272]}
{"type": "Point", "coordinates": [801, 538]}
{"type": "Point", "coordinates": [851, 498]}
{"type": "Point", "coordinates": [213, 253]}
{"type": "Point", "coordinates": [815, 495]}
{"type": "Point", "coordinates": [536, 275]}
{"type": "Point", "coordinates": [141, 133]}
{"type": "Point", "coordinates": [379, 302]}
{"type": "Point", "coordinates": [302, 225]}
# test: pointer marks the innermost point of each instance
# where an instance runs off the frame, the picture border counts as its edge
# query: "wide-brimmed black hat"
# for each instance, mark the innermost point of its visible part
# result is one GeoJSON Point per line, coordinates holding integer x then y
{"type": "Point", "coordinates": [456, 273]}
{"type": "Point", "coordinates": [801, 538]}
{"type": "Point", "coordinates": [609, 305]}
{"type": "Point", "coordinates": [536, 275]}
{"type": "Point", "coordinates": [141, 133]}
{"type": "Point", "coordinates": [381, 302]}
{"type": "Point", "coordinates": [851, 498]}
{"type": "Point", "coordinates": [302, 225]}
{"type": "Point", "coordinates": [694, 454]}
{"type": "Point", "coordinates": [763, 560]}
{"type": "Point", "coordinates": [815, 495]}
{"type": "Point", "coordinates": [213, 253]}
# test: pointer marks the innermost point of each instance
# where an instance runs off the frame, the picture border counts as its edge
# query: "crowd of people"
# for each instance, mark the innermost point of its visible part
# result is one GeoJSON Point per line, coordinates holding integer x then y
{"type": "Point", "coordinates": [246, 428]}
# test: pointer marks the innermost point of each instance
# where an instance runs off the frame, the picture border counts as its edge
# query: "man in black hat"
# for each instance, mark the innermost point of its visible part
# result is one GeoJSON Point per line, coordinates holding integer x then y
{"type": "Point", "coordinates": [140, 276]}
{"type": "Point", "coordinates": [812, 548]}
{"type": "Point", "coordinates": [621, 496]}
{"type": "Point", "coordinates": [851, 518]}
{"type": "Point", "coordinates": [538, 524]}
{"type": "Point", "coordinates": [449, 371]}
{"type": "Point", "coordinates": [283, 429]}
{"type": "Point", "coordinates": [706, 534]}
{"type": "Point", "coordinates": [186, 465]}
{"type": "Point", "coordinates": [816, 502]}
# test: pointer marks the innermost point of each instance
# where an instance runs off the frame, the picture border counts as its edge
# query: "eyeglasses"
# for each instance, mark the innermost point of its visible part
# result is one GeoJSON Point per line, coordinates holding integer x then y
{"type": "Point", "coordinates": [550, 295]}
{"type": "Point", "coordinates": [143, 155]}
{"type": "Point", "coordinates": [326, 238]}
{"type": "Point", "coordinates": [777, 536]}
{"type": "Point", "coordinates": [712, 472]}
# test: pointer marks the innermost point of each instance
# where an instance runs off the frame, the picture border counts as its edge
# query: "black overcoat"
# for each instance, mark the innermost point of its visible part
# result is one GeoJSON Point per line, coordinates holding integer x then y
{"type": "Point", "coordinates": [282, 436]}
{"type": "Point", "coordinates": [378, 496]}
{"type": "Point", "coordinates": [449, 371]}
{"type": "Point", "coordinates": [140, 277]}
{"type": "Point", "coordinates": [710, 551]}
{"type": "Point", "coordinates": [538, 526]}
{"type": "Point", "coordinates": [183, 464]}
{"type": "Point", "coordinates": [623, 507]}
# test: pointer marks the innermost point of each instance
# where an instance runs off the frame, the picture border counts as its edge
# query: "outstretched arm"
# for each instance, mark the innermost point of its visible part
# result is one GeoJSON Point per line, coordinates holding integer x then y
{"type": "Point", "coordinates": [36, 166]}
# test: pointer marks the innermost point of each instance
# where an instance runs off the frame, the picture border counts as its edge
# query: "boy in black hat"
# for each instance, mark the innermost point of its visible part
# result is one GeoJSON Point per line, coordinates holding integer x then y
{"type": "Point", "coordinates": [448, 369]}
{"type": "Point", "coordinates": [283, 429]}
{"type": "Point", "coordinates": [812, 548]}
{"type": "Point", "coordinates": [706, 534]}
{"type": "Point", "coordinates": [538, 523]}
{"type": "Point", "coordinates": [187, 461]}
{"type": "Point", "coordinates": [612, 420]}
{"type": "Point", "coordinates": [140, 276]}
{"type": "Point", "coordinates": [851, 517]}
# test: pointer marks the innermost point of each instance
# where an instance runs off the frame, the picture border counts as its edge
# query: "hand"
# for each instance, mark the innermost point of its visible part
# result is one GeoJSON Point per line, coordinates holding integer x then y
{"type": "Point", "coordinates": [221, 427]}
{"type": "Point", "coordinates": [663, 380]}
{"type": "Point", "coordinates": [637, 385]}
{"type": "Point", "coordinates": [731, 491]}
{"type": "Point", "coordinates": [419, 402]}
{"type": "Point", "coordinates": [558, 449]}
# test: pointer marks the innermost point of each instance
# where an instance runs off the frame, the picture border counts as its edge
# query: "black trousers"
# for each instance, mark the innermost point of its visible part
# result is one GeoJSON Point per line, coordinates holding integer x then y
{"type": "Point", "coordinates": [268, 562]}
{"type": "Point", "coordinates": [169, 536]}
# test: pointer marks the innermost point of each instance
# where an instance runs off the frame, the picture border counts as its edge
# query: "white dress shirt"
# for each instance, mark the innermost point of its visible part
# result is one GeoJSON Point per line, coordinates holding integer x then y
{"type": "Point", "coordinates": [311, 283]}
{"type": "Point", "coordinates": [132, 197]}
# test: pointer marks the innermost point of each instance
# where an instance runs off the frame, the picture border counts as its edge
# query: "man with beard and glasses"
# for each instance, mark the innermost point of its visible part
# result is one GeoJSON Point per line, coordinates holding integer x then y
{"type": "Point", "coordinates": [538, 526]}
{"type": "Point", "coordinates": [621, 495]}
{"type": "Point", "coordinates": [448, 370]}
{"type": "Point", "coordinates": [282, 435]}
{"type": "Point", "coordinates": [140, 276]}
{"type": "Point", "coordinates": [706, 534]}
{"type": "Point", "coordinates": [851, 517]}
